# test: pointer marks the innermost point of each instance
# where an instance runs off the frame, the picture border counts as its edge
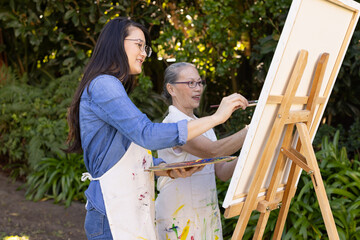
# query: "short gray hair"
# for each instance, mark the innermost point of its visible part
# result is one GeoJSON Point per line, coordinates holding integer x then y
{"type": "Point", "coordinates": [172, 74]}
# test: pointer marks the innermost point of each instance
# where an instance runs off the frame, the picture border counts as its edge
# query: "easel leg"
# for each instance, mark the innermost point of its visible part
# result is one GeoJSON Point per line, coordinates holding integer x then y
{"type": "Point", "coordinates": [288, 195]}
{"type": "Point", "coordinates": [260, 227]}
{"type": "Point", "coordinates": [278, 172]}
{"type": "Point", "coordinates": [317, 181]}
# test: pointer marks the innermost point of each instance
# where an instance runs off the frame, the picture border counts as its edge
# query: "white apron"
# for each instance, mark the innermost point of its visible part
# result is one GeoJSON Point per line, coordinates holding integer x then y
{"type": "Point", "coordinates": [128, 193]}
{"type": "Point", "coordinates": [187, 208]}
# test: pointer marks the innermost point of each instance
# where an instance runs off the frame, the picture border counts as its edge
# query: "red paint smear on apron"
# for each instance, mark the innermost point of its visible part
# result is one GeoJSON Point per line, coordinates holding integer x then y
{"type": "Point", "coordinates": [144, 162]}
{"type": "Point", "coordinates": [142, 196]}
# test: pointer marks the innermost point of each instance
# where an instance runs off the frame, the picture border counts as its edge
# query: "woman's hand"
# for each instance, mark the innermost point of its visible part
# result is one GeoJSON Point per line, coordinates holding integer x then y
{"type": "Point", "coordinates": [183, 172]}
{"type": "Point", "coordinates": [228, 105]}
{"type": "Point", "coordinates": [180, 172]}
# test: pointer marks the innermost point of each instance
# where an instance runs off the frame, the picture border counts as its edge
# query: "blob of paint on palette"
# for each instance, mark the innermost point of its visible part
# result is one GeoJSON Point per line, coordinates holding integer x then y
{"type": "Point", "coordinates": [193, 163]}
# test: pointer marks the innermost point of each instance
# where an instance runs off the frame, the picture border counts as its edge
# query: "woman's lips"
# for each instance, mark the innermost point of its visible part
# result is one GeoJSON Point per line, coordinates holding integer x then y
{"type": "Point", "coordinates": [197, 98]}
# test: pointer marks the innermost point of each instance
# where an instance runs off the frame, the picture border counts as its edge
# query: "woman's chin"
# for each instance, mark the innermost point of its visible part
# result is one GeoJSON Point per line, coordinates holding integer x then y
{"type": "Point", "coordinates": [135, 71]}
{"type": "Point", "coordinates": [196, 105]}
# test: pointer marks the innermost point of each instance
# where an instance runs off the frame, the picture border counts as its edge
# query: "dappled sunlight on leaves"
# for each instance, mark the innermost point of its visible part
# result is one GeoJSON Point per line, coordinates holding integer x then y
{"type": "Point", "coordinates": [16, 238]}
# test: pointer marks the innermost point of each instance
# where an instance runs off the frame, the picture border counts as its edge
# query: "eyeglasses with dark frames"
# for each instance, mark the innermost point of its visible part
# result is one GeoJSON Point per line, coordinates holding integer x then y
{"type": "Point", "coordinates": [192, 84]}
{"type": "Point", "coordinates": [142, 46]}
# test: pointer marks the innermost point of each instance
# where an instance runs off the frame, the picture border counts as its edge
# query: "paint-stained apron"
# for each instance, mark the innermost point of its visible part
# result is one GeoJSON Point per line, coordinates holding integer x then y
{"type": "Point", "coordinates": [128, 193]}
{"type": "Point", "coordinates": [187, 208]}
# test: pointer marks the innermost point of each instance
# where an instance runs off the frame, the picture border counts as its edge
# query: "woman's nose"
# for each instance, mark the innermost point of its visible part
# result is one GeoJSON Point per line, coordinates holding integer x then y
{"type": "Point", "coordinates": [198, 87]}
{"type": "Point", "coordinates": [143, 53]}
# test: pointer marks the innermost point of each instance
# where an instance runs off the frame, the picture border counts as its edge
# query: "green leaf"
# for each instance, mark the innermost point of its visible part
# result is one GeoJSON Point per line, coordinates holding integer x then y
{"type": "Point", "coordinates": [69, 14]}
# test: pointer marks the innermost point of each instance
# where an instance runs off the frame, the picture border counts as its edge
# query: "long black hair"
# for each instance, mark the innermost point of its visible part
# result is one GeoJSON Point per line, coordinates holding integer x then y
{"type": "Point", "coordinates": [109, 57]}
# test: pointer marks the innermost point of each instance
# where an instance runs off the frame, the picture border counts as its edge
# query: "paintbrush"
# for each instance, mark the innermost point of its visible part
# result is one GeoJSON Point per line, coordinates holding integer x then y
{"type": "Point", "coordinates": [251, 104]}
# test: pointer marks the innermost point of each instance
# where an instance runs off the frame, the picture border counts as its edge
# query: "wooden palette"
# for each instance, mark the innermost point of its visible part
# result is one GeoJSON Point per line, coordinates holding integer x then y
{"type": "Point", "coordinates": [193, 163]}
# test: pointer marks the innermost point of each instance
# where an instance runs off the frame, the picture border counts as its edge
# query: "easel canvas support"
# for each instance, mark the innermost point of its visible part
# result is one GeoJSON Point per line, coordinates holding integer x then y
{"type": "Point", "coordinates": [302, 156]}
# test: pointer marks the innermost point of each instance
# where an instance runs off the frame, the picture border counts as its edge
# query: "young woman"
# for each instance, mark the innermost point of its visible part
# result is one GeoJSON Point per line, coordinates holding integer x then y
{"type": "Point", "coordinates": [115, 136]}
{"type": "Point", "coordinates": [187, 208]}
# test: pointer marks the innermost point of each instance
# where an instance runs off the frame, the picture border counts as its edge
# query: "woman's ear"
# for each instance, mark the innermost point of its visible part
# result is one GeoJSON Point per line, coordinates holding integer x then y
{"type": "Point", "coordinates": [170, 89]}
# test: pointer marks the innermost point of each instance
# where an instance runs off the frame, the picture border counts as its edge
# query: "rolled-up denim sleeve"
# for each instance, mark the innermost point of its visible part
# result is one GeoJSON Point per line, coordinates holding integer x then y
{"type": "Point", "coordinates": [157, 161]}
{"type": "Point", "coordinates": [183, 133]}
{"type": "Point", "coordinates": [111, 103]}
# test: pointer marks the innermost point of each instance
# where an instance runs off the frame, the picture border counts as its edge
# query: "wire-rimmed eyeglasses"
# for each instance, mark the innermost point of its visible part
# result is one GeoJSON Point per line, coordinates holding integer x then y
{"type": "Point", "coordinates": [142, 46]}
{"type": "Point", "coordinates": [192, 84]}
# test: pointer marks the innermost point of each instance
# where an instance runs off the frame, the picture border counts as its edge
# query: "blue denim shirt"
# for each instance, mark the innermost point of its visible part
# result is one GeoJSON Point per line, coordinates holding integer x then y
{"type": "Point", "coordinates": [109, 122]}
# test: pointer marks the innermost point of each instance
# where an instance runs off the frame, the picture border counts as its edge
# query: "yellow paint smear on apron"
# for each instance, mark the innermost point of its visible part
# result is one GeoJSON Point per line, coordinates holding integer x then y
{"type": "Point", "coordinates": [177, 210]}
{"type": "Point", "coordinates": [185, 232]}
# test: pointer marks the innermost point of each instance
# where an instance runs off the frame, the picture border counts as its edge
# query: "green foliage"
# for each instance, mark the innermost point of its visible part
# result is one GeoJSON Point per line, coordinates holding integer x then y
{"type": "Point", "coordinates": [58, 178]}
{"type": "Point", "coordinates": [238, 120]}
{"type": "Point", "coordinates": [193, 34]}
{"type": "Point", "coordinates": [342, 182]}
{"type": "Point", "coordinates": [33, 119]}
{"type": "Point", "coordinates": [341, 178]}
{"type": "Point", "coordinates": [46, 34]}
{"type": "Point", "coordinates": [348, 138]}
{"type": "Point", "coordinates": [48, 38]}
{"type": "Point", "coordinates": [344, 103]}
{"type": "Point", "coordinates": [231, 42]}
{"type": "Point", "coordinates": [265, 20]}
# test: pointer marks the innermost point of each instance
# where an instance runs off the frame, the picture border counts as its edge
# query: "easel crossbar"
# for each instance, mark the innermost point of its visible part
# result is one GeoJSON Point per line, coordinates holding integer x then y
{"type": "Point", "coordinates": [299, 160]}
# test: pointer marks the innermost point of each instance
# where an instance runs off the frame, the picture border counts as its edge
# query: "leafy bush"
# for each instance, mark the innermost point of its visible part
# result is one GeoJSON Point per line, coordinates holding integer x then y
{"type": "Point", "coordinates": [58, 178]}
{"type": "Point", "coordinates": [33, 119]}
{"type": "Point", "coordinates": [343, 186]}
{"type": "Point", "coordinates": [349, 137]}
{"type": "Point", "coordinates": [231, 42]}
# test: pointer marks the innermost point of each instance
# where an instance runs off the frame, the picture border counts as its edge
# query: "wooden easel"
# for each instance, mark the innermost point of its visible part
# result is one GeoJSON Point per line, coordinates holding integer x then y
{"type": "Point", "coordinates": [303, 157]}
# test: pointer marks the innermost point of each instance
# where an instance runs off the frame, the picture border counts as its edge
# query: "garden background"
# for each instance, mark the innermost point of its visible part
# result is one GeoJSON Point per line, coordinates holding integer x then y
{"type": "Point", "coordinates": [45, 44]}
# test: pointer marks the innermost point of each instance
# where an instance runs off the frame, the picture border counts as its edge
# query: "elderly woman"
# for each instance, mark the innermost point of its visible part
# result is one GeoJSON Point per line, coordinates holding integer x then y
{"type": "Point", "coordinates": [187, 208]}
